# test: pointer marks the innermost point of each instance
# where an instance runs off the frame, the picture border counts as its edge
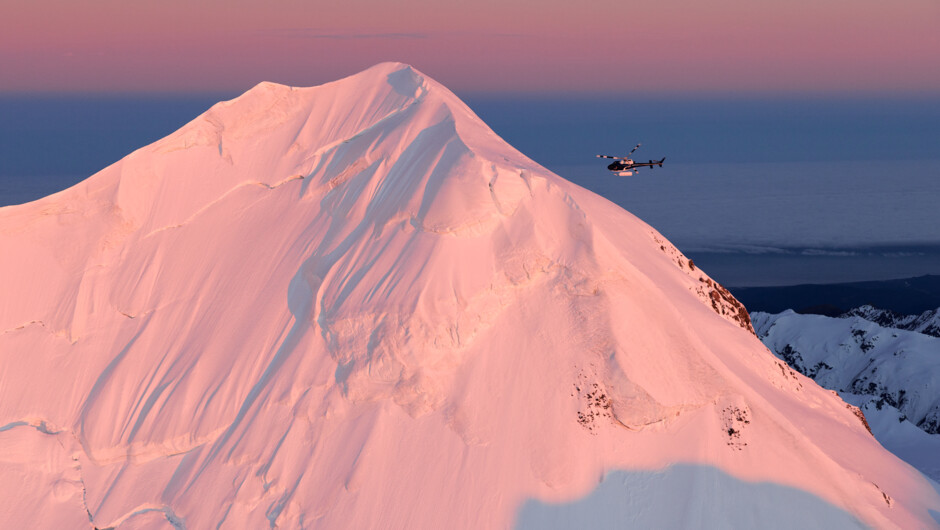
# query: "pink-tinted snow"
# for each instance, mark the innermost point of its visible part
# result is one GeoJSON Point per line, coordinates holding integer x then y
{"type": "Point", "coordinates": [355, 306]}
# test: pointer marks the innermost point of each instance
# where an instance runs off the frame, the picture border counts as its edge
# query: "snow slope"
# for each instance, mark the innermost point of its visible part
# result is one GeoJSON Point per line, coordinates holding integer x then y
{"type": "Point", "coordinates": [355, 306]}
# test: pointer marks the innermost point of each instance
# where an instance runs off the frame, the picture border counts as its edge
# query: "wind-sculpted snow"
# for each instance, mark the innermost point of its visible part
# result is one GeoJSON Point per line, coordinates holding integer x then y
{"type": "Point", "coordinates": [355, 306]}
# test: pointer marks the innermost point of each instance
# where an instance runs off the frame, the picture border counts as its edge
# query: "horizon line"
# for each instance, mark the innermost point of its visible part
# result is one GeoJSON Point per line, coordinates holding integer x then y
{"type": "Point", "coordinates": [853, 94]}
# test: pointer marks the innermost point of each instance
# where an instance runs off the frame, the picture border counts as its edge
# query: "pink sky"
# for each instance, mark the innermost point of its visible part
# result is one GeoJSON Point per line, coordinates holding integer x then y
{"type": "Point", "coordinates": [793, 46]}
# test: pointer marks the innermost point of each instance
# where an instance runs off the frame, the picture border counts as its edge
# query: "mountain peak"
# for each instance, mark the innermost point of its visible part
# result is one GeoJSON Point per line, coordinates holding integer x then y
{"type": "Point", "coordinates": [402, 77]}
{"type": "Point", "coordinates": [355, 304]}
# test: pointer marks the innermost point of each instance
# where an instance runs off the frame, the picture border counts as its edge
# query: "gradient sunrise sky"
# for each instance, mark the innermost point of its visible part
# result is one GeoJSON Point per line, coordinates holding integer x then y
{"type": "Point", "coordinates": [551, 46]}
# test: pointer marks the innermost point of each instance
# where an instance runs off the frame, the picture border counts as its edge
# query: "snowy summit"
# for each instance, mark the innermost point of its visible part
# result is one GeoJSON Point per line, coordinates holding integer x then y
{"type": "Point", "coordinates": [355, 306]}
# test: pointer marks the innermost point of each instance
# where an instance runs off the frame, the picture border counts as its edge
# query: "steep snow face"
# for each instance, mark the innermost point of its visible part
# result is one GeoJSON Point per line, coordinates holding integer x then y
{"type": "Point", "coordinates": [354, 305]}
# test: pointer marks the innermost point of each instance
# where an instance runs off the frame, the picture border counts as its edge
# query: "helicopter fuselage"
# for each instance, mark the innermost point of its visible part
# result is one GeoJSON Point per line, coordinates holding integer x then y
{"type": "Point", "coordinates": [625, 166]}
{"type": "Point", "coordinates": [620, 165]}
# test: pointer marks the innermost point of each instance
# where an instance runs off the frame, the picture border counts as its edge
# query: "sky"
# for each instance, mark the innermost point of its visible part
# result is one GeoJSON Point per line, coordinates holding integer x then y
{"type": "Point", "coordinates": [489, 46]}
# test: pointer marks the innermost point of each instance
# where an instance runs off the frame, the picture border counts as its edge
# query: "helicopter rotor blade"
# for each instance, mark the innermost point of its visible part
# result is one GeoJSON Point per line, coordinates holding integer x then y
{"type": "Point", "coordinates": [608, 156]}
{"type": "Point", "coordinates": [634, 149]}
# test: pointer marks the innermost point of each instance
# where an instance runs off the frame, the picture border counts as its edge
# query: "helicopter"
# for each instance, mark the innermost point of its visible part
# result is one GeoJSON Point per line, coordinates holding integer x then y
{"type": "Point", "coordinates": [625, 166]}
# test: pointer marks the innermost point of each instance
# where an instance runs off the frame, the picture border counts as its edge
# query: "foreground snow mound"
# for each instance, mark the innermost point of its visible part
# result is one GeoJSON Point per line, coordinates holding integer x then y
{"type": "Point", "coordinates": [355, 306]}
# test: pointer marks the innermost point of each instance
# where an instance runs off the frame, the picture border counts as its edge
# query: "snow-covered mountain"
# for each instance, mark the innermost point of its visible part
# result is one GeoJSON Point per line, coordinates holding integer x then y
{"type": "Point", "coordinates": [927, 322]}
{"type": "Point", "coordinates": [355, 306]}
{"type": "Point", "coordinates": [852, 354]}
{"type": "Point", "coordinates": [891, 373]}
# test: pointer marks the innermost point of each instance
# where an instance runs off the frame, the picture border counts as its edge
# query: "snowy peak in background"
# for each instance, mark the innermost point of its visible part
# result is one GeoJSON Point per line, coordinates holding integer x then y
{"type": "Point", "coordinates": [354, 305]}
{"type": "Point", "coordinates": [851, 354]}
{"type": "Point", "coordinates": [927, 322]}
{"type": "Point", "coordinates": [893, 375]}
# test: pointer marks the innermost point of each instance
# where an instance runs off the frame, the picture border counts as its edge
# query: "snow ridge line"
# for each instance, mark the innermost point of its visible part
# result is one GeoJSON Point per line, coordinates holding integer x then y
{"type": "Point", "coordinates": [319, 153]}
{"type": "Point", "coordinates": [26, 325]}
{"type": "Point", "coordinates": [63, 334]}
{"type": "Point", "coordinates": [40, 425]}
{"type": "Point", "coordinates": [220, 198]}
{"type": "Point", "coordinates": [175, 521]}
{"type": "Point", "coordinates": [43, 427]}
{"type": "Point", "coordinates": [46, 427]}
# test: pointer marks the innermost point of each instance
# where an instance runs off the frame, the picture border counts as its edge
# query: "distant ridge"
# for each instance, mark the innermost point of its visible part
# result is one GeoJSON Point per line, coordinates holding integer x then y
{"type": "Point", "coordinates": [907, 296]}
